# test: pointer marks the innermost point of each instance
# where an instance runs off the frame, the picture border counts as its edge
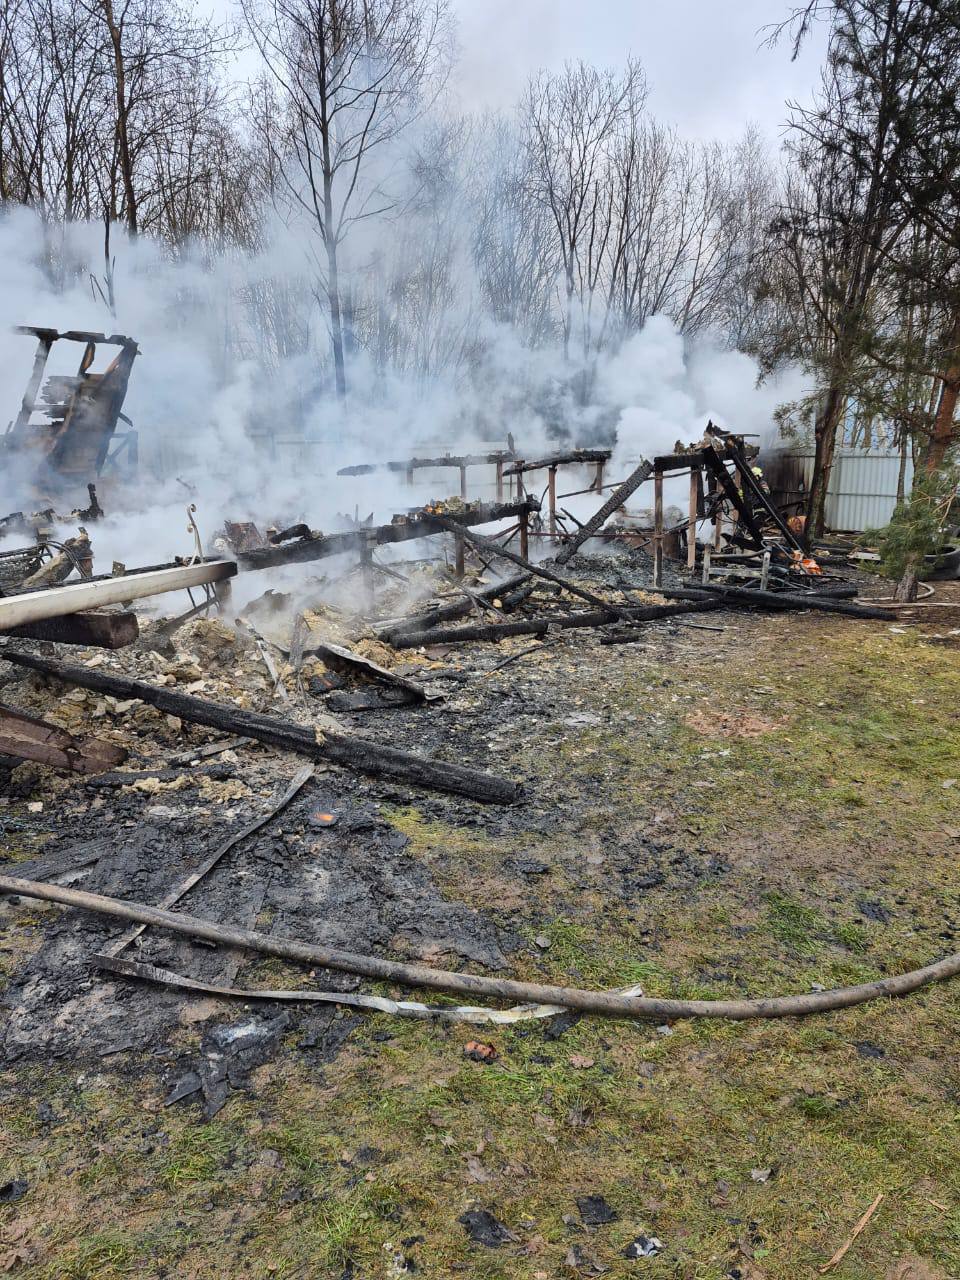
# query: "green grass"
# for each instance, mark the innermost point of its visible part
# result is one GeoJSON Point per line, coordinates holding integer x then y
{"type": "Point", "coordinates": [837, 803]}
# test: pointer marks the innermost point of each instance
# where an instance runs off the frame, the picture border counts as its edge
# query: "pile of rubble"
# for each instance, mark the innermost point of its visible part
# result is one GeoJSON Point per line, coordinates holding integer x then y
{"type": "Point", "coordinates": [241, 756]}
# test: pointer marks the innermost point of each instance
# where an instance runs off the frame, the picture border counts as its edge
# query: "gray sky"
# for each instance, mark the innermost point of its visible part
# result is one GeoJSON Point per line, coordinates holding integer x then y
{"type": "Point", "coordinates": [707, 70]}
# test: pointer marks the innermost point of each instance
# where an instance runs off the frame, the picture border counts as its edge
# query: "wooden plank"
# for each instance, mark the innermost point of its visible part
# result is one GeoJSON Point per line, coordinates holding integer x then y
{"type": "Point", "coordinates": [77, 597]}
{"type": "Point", "coordinates": [28, 738]}
{"type": "Point", "coordinates": [93, 630]}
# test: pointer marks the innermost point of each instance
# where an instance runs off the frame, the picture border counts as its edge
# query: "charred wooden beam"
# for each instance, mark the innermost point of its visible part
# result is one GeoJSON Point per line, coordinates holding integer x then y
{"type": "Point", "coordinates": [419, 464]}
{"type": "Point", "coordinates": [735, 496]}
{"type": "Point", "coordinates": [733, 597]}
{"type": "Point", "coordinates": [510, 592]}
{"type": "Point", "coordinates": [28, 738]}
{"type": "Point", "coordinates": [694, 457]}
{"type": "Point", "coordinates": [538, 571]}
{"type": "Point", "coordinates": [338, 748]}
{"type": "Point", "coordinates": [749, 481]}
{"type": "Point", "coordinates": [418, 525]}
{"type": "Point", "coordinates": [558, 460]}
{"type": "Point", "coordinates": [600, 517]}
{"type": "Point", "coordinates": [496, 631]}
{"type": "Point", "coordinates": [93, 630]}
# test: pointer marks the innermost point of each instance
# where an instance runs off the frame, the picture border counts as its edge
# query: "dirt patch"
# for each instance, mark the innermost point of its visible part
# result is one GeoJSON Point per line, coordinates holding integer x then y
{"type": "Point", "coordinates": [729, 724]}
{"type": "Point", "coordinates": [914, 1268]}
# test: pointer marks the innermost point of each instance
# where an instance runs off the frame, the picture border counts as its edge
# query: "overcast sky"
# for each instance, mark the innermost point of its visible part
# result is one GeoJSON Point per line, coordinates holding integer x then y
{"type": "Point", "coordinates": [705, 60]}
{"type": "Point", "coordinates": [707, 66]}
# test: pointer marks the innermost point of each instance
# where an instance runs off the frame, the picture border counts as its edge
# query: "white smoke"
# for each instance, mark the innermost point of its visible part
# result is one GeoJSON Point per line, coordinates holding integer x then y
{"type": "Point", "coordinates": [250, 442]}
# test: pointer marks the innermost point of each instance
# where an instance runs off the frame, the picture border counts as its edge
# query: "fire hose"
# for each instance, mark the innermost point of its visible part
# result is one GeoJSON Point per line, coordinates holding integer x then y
{"type": "Point", "coordinates": [602, 1003]}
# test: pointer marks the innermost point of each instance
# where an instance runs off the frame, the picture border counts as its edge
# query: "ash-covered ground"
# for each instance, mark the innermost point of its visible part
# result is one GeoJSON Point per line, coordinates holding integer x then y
{"type": "Point", "coordinates": [739, 804]}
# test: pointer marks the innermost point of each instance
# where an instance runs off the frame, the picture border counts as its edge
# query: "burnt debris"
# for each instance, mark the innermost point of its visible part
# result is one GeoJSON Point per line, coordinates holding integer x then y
{"type": "Point", "coordinates": [184, 726]}
{"type": "Point", "coordinates": [66, 430]}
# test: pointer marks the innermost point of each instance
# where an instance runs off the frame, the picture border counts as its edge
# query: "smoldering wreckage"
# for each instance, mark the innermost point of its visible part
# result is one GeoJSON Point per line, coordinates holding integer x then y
{"type": "Point", "coordinates": [221, 706]}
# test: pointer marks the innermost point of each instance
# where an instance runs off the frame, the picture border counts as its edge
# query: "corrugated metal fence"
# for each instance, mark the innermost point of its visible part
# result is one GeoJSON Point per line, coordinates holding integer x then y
{"type": "Point", "coordinates": [863, 484]}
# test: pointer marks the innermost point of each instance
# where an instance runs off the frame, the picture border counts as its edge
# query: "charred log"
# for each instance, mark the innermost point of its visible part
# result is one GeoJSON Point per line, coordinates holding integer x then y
{"type": "Point", "coordinates": [541, 626]}
{"type": "Point", "coordinates": [735, 597]}
{"type": "Point", "coordinates": [601, 516]}
{"type": "Point", "coordinates": [343, 749]}
{"type": "Point", "coordinates": [92, 630]}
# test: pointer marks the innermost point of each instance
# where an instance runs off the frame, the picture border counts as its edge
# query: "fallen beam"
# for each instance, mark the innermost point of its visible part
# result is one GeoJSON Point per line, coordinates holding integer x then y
{"type": "Point", "coordinates": [603, 514]}
{"type": "Point", "coordinates": [510, 592]}
{"type": "Point", "coordinates": [27, 738]}
{"type": "Point", "coordinates": [339, 659]}
{"type": "Point", "coordinates": [343, 749]}
{"type": "Point", "coordinates": [754, 598]}
{"type": "Point", "coordinates": [496, 631]}
{"type": "Point", "coordinates": [91, 630]}
{"type": "Point", "coordinates": [419, 525]}
{"type": "Point", "coordinates": [76, 597]}
{"type": "Point", "coordinates": [496, 549]}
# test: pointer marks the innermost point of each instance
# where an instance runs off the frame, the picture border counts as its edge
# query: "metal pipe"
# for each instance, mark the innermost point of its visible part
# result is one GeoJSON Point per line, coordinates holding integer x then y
{"type": "Point", "coordinates": [75, 597]}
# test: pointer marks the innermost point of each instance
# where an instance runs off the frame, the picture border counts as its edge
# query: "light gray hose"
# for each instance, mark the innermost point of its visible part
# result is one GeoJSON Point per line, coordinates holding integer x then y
{"type": "Point", "coordinates": [605, 1004]}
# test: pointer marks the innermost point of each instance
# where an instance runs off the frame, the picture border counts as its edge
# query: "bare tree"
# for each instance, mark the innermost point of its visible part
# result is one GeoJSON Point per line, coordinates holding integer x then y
{"type": "Point", "coordinates": [353, 74]}
{"type": "Point", "coordinates": [574, 122]}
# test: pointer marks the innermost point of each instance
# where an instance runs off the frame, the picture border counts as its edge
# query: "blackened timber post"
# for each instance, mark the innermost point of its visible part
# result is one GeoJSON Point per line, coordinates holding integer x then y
{"type": "Point", "coordinates": [658, 528]}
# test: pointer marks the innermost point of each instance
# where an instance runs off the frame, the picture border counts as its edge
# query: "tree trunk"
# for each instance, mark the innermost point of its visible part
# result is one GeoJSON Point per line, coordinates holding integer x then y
{"type": "Point", "coordinates": [906, 591]}
{"type": "Point", "coordinates": [825, 434]}
{"type": "Point", "coordinates": [902, 472]}
{"type": "Point", "coordinates": [944, 426]}
{"type": "Point", "coordinates": [123, 141]}
{"type": "Point", "coordinates": [336, 319]}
